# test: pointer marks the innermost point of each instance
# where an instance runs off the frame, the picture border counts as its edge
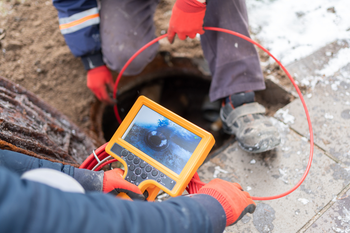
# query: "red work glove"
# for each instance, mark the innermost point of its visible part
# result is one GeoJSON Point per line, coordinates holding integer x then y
{"type": "Point", "coordinates": [186, 19]}
{"type": "Point", "coordinates": [98, 80]}
{"type": "Point", "coordinates": [231, 196]}
{"type": "Point", "coordinates": [114, 183]}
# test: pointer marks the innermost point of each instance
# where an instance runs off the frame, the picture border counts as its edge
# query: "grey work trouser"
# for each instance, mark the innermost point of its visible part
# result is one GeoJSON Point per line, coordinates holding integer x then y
{"type": "Point", "coordinates": [127, 25]}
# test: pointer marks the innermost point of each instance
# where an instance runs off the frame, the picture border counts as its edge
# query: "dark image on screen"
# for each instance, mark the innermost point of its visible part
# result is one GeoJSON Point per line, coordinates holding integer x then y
{"type": "Point", "coordinates": [162, 139]}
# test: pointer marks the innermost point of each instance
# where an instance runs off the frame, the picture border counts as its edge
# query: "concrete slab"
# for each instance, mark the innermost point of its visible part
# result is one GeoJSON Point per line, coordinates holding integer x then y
{"type": "Point", "coordinates": [273, 173]}
{"type": "Point", "coordinates": [308, 66]}
{"type": "Point", "coordinates": [336, 218]}
{"type": "Point", "coordinates": [329, 108]}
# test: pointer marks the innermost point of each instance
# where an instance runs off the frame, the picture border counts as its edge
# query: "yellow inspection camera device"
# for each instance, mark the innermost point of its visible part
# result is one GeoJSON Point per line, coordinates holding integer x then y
{"type": "Point", "coordinates": [159, 149]}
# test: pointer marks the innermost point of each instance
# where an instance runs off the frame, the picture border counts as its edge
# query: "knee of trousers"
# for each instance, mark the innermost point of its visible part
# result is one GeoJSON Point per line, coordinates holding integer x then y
{"type": "Point", "coordinates": [116, 61]}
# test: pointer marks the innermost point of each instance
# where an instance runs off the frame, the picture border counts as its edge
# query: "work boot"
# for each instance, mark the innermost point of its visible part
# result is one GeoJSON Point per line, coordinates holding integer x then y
{"type": "Point", "coordinates": [246, 119]}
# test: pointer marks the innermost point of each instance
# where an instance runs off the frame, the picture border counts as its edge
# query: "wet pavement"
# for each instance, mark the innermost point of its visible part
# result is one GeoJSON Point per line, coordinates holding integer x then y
{"type": "Point", "coordinates": [322, 202]}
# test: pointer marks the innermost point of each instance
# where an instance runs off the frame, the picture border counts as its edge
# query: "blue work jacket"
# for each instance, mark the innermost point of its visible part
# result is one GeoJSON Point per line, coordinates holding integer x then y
{"type": "Point", "coordinates": [27, 206]}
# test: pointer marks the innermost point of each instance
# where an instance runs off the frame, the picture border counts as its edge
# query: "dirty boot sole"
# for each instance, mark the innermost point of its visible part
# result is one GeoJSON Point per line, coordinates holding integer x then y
{"type": "Point", "coordinates": [265, 146]}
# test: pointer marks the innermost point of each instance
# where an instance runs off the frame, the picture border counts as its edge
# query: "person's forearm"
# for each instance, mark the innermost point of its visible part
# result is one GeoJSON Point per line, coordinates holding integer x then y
{"type": "Point", "coordinates": [20, 163]}
{"type": "Point", "coordinates": [27, 206]}
{"type": "Point", "coordinates": [79, 24]}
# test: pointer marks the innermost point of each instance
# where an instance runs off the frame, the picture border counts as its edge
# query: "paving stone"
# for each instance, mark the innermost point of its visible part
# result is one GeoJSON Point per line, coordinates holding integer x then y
{"type": "Point", "coordinates": [329, 109]}
{"type": "Point", "coordinates": [273, 173]}
{"type": "Point", "coordinates": [308, 66]}
{"type": "Point", "coordinates": [336, 218]}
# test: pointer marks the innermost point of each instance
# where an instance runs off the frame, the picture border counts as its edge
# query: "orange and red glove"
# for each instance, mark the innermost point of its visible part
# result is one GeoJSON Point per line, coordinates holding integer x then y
{"type": "Point", "coordinates": [114, 183]}
{"type": "Point", "coordinates": [186, 19]}
{"type": "Point", "coordinates": [98, 80]}
{"type": "Point", "coordinates": [234, 200]}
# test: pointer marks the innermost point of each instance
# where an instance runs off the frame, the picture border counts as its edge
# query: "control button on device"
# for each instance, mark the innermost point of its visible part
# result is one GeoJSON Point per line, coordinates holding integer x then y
{"type": "Point", "coordinates": [132, 167]}
{"type": "Point", "coordinates": [136, 160]}
{"type": "Point", "coordinates": [130, 157]}
{"type": "Point", "coordinates": [159, 180]}
{"type": "Point", "coordinates": [154, 173]}
{"type": "Point", "coordinates": [162, 175]}
{"type": "Point", "coordinates": [144, 176]}
{"type": "Point", "coordinates": [148, 169]}
{"type": "Point", "coordinates": [124, 152]}
{"type": "Point", "coordinates": [142, 165]}
{"type": "Point", "coordinates": [138, 171]}
{"type": "Point", "coordinates": [133, 177]}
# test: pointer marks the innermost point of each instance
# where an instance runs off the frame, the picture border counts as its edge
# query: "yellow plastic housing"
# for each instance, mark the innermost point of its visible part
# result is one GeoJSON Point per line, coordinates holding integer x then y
{"type": "Point", "coordinates": [198, 156]}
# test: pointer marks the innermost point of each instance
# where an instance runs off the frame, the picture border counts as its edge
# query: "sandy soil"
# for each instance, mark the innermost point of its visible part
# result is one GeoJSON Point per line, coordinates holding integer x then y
{"type": "Point", "coordinates": [34, 55]}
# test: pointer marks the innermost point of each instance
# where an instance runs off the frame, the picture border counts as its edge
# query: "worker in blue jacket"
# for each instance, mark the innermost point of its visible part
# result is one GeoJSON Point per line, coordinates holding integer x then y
{"type": "Point", "coordinates": [30, 206]}
{"type": "Point", "coordinates": [106, 36]}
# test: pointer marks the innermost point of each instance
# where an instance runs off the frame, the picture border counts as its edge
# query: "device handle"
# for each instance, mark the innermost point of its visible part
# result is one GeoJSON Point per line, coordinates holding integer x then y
{"type": "Point", "coordinates": [124, 196]}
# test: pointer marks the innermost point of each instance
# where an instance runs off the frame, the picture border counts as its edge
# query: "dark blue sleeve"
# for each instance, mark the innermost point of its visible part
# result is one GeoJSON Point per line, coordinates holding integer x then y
{"type": "Point", "coordinates": [79, 23]}
{"type": "Point", "coordinates": [20, 163]}
{"type": "Point", "coordinates": [27, 206]}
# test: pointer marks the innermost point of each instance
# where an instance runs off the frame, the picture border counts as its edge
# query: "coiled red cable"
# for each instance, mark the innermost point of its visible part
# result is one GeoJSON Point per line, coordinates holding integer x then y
{"type": "Point", "coordinates": [195, 184]}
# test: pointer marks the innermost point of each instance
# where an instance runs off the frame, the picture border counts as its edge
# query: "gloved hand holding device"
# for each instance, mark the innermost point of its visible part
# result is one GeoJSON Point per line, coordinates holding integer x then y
{"type": "Point", "coordinates": [234, 200]}
{"type": "Point", "coordinates": [114, 183]}
{"type": "Point", "coordinates": [108, 182]}
{"type": "Point", "coordinates": [99, 79]}
{"type": "Point", "coordinates": [186, 19]}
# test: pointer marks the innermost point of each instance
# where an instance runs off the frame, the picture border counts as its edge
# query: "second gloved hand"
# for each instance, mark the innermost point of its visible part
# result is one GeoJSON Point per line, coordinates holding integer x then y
{"type": "Point", "coordinates": [99, 79]}
{"type": "Point", "coordinates": [234, 200]}
{"type": "Point", "coordinates": [186, 19]}
{"type": "Point", "coordinates": [114, 183]}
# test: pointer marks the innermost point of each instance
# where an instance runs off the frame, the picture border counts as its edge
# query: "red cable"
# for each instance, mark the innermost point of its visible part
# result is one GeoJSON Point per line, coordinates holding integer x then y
{"type": "Point", "coordinates": [105, 163]}
{"type": "Point", "coordinates": [91, 162]}
{"type": "Point", "coordinates": [123, 69]}
{"type": "Point", "coordinates": [195, 183]}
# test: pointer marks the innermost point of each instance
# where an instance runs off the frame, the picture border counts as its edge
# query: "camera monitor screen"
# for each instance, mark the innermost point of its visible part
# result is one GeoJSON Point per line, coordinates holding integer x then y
{"type": "Point", "coordinates": [162, 139]}
{"type": "Point", "coordinates": [159, 149]}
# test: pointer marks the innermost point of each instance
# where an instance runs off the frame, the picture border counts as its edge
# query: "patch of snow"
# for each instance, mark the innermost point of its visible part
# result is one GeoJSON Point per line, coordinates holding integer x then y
{"type": "Point", "coordinates": [303, 200]}
{"type": "Point", "coordinates": [328, 116]}
{"type": "Point", "coordinates": [295, 29]}
{"type": "Point", "coordinates": [311, 81]}
{"type": "Point", "coordinates": [219, 170]}
{"type": "Point", "coordinates": [286, 118]}
{"type": "Point", "coordinates": [334, 86]}
{"type": "Point", "coordinates": [341, 59]}
{"type": "Point", "coordinates": [334, 199]}
{"type": "Point", "coordinates": [284, 176]}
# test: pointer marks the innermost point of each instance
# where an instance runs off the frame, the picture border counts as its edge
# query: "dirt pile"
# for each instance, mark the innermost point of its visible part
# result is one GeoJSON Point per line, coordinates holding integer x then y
{"type": "Point", "coordinates": [34, 55]}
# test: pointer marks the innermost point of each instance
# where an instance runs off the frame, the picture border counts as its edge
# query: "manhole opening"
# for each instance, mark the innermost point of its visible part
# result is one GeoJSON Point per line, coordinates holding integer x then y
{"type": "Point", "coordinates": [186, 95]}
{"type": "Point", "coordinates": [182, 94]}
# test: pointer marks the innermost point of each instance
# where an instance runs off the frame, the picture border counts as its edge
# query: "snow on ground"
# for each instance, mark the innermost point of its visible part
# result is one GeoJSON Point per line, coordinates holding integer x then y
{"type": "Point", "coordinates": [342, 59]}
{"type": "Point", "coordinates": [294, 29]}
